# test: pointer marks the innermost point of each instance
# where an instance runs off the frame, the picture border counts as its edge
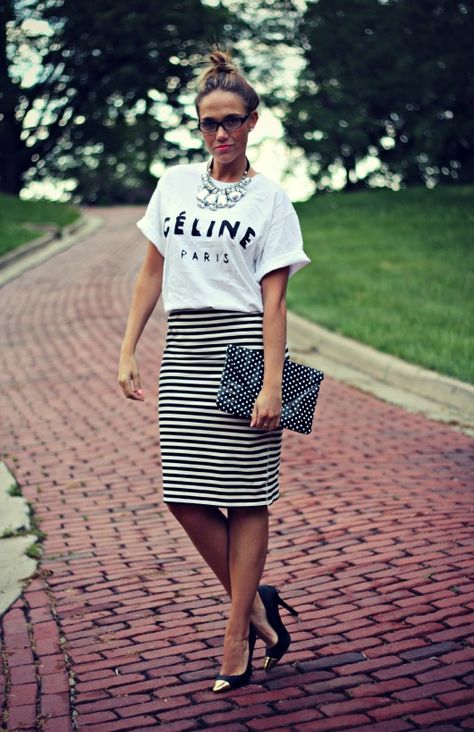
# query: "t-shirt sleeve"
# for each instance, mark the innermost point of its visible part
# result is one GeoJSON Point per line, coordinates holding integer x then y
{"type": "Point", "coordinates": [150, 223]}
{"type": "Point", "coordinates": [283, 245]}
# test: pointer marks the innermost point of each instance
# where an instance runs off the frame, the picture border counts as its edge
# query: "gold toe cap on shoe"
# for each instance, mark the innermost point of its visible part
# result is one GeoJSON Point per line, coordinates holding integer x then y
{"type": "Point", "coordinates": [269, 663]}
{"type": "Point", "coordinates": [221, 685]}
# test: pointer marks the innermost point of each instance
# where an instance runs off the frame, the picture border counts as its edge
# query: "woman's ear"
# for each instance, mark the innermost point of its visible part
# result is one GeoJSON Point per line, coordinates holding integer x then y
{"type": "Point", "coordinates": [253, 119]}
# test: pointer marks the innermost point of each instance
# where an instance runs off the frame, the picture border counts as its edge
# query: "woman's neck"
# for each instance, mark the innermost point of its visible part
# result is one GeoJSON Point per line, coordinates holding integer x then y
{"type": "Point", "coordinates": [229, 172]}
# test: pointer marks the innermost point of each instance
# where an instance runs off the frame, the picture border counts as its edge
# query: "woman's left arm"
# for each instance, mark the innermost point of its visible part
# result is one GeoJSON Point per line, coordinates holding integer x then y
{"type": "Point", "coordinates": [267, 408]}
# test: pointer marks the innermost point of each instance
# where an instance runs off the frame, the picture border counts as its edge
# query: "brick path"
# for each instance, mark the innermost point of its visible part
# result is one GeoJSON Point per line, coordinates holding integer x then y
{"type": "Point", "coordinates": [122, 627]}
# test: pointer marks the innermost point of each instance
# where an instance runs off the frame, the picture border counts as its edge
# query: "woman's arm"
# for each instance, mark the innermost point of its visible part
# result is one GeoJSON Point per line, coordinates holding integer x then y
{"type": "Point", "coordinates": [267, 407]}
{"type": "Point", "coordinates": [145, 296]}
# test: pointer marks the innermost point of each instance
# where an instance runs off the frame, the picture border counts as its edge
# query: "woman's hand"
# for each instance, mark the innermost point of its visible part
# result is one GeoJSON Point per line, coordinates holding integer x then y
{"type": "Point", "coordinates": [145, 296]}
{"type": "Point", "coordinates": [267, 409]}
{"type": "Point", "coordinates": [129, 377]}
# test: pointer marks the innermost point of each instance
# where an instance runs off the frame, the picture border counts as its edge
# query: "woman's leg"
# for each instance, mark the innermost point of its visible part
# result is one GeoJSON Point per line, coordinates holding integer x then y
{"type": "Point", "coordinates": [207, 528]}
{"type": "Point", "coordinates": [210, 531]}
{"type": "Point", "coordinates": [248, 542]}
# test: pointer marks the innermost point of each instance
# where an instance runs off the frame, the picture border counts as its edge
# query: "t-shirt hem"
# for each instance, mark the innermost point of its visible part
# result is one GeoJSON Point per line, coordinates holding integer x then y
{"type": "Point", "coordinates": [224, 308]}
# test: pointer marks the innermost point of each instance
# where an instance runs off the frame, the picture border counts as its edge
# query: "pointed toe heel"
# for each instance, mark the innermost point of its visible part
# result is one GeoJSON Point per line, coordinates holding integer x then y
{"type": "Point", "coordinates": [271, 600]}
{"type": "Point", "coordinates": [226, 682]}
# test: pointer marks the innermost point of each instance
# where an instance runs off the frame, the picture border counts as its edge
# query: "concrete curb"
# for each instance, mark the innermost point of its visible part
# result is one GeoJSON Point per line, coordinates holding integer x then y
{"type": "Point", "coordinates": [15, 565]}
{"type": "Point", "coordinates": [14, 263]}
{"type": "Point", "coordinates": [307, 337]}
{"type": "Point", "coordinates": [54, 233]}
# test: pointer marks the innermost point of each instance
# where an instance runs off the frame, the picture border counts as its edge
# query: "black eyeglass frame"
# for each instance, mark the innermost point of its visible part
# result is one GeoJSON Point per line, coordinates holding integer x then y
{"type": "Point", "coordinates": [222, 123]}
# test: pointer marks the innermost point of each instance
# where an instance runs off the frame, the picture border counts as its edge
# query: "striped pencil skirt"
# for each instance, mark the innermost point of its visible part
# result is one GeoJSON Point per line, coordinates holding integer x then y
{"type": "Point", "coordinates": [210, 457]}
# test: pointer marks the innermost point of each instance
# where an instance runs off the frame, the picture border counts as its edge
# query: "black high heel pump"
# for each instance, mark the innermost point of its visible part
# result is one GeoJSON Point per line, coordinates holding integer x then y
{"type": "Point", "coordinates": [271, 599]}
{"type": "Point", "coordinates": [225, 682]}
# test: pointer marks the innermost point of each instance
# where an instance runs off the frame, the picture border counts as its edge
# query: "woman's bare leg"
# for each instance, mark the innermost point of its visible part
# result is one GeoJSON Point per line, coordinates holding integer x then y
{"type": "Point", "coordinates": [209, 530]}
{"type": "Point", "coordinates": [248, 542]}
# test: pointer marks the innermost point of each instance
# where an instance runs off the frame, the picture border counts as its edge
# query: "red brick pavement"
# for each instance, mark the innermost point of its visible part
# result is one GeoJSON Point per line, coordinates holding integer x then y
{"type": "Point", "coordinates": [121, 629]}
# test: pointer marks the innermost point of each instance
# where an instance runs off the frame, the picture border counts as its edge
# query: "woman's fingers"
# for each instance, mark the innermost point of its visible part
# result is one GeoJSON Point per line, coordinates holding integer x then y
{"type": "Point", "coordinates": [253, 418]}
{"type": "Point", "coordinates": [129, 378]}
{"type": "Point", "coordinates": [137, 390]}
{"type": "Point", "coordinates": [267, 424]}
{"type": "Point", "coordinates": [134, 390]}
{"type": "Point", "coordinates": [132, 393]}
{"type": "Point", "coordinates": [261, 419]}
{"type": "Point", "coordinates": [127, 387]}
{"type": "Point", "coordinates": [136, 383]}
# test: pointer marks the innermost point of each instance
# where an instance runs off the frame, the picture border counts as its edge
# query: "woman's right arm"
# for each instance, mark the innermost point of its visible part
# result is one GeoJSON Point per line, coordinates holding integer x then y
{"type": "Point", "coordinates": [145, 296]}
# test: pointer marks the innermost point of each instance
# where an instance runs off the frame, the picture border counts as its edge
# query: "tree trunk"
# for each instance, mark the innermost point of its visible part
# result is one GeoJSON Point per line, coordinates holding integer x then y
{"type": "Point", "coordinates": [13, 160]}
{"type": "Point", "coordinates": [349, 163]}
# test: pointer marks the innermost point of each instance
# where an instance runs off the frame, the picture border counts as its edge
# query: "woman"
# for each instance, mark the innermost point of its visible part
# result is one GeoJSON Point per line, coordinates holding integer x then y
{"type": "Point", "coordinates": [222, 242]}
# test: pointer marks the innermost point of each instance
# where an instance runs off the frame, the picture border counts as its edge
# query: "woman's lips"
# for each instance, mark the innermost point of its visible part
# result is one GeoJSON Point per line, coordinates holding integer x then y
{"type": "Point", "coordinates": [222, 147]}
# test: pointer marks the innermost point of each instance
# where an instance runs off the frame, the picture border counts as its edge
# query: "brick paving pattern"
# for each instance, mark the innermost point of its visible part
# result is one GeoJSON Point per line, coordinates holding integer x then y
{"type": "Point", "coordinates": [121, 628]}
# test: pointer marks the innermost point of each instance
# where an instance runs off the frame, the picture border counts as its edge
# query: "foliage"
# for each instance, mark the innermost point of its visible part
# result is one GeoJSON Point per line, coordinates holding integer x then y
{"type": "Point", "coordinates": [109, 89]}
{"type": "Point", "coordinates": [102, 91]}
{"type": "Point", "coordinates": [391, 79]}
{"type": "Point", "coordinates": [115, 82]}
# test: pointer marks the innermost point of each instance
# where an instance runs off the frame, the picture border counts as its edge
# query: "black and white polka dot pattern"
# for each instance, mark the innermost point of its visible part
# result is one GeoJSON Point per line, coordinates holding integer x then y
{"type": "Point", "coordinates": [242, 379]}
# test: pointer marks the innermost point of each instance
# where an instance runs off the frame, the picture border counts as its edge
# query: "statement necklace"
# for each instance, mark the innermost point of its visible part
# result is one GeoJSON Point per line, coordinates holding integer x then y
{"type": "Point", "coordinates": [210, 196]}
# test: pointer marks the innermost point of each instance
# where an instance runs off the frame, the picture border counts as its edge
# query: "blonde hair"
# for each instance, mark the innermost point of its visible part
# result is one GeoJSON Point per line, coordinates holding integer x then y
{"type": "Point", "coordinates": [222, 73]}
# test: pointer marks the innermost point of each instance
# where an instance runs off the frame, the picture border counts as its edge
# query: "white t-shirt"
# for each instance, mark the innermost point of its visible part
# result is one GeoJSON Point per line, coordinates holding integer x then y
{"type": "Point", "coordinates": [216, 259]}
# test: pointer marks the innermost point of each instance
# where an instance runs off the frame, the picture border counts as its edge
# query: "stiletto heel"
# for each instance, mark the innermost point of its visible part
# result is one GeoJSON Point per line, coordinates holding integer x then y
{"type": "Point", "coordinates": [225, 682]}
{"type": "Point", "coordinates": [271, 600]}
{"type": "Point", "coordinates": [288, 607]}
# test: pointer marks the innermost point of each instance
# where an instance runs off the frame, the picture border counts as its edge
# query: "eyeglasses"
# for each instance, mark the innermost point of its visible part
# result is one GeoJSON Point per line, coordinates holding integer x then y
{"type": "Point", "coordinates": [230, 123]}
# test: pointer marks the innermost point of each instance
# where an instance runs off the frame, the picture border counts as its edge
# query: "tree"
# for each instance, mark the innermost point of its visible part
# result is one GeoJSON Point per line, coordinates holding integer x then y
{"type": "Point", "coordinates": [108, 92]}
{"type": "Point", "coordinates": [391, 79]}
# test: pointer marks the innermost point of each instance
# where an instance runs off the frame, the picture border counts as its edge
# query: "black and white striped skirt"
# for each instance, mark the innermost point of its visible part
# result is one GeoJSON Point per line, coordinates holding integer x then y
{"type": "Point", "coordinates": [210, 457]}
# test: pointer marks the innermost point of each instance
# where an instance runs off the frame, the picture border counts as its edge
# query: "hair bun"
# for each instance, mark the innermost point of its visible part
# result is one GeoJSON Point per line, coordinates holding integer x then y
{"type": "Point", "coordinates": [222, 62]}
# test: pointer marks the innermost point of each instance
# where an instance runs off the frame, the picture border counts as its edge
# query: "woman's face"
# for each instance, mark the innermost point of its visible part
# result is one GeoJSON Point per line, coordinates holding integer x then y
{"type": "Point", "coordinates": [226, 146]}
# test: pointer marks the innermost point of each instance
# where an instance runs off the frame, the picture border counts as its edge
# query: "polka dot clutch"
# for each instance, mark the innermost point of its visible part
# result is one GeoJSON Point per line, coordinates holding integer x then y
{"type": "Point", "coordinates": [242, 379]}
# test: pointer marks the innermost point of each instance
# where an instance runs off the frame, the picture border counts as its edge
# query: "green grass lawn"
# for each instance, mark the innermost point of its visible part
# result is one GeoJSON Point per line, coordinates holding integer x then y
{"type": "Point", "coordinates": [394, 270]}
{"type": "Point", "coordinates": [14, 212]}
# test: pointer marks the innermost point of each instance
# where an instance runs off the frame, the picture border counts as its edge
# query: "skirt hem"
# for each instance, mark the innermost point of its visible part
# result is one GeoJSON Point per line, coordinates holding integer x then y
{"type": "Point", "coordinates": [219, 504]}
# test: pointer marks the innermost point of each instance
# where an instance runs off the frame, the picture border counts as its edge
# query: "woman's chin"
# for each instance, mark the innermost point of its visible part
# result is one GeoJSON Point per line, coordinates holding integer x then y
{"type": "Point", "coordinates": [227, 153]}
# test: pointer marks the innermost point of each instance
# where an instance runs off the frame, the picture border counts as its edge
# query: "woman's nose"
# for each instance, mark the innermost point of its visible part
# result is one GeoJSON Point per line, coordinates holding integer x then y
{"type": "Point", "coordinates": [221, 133]}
